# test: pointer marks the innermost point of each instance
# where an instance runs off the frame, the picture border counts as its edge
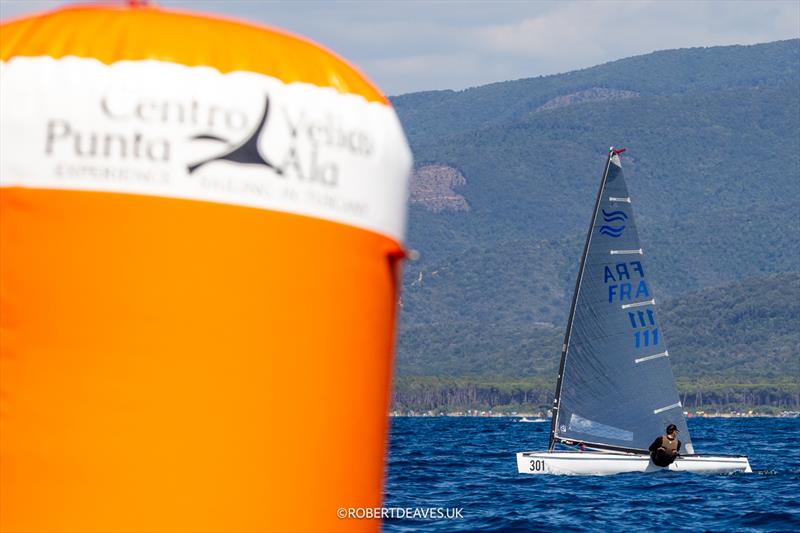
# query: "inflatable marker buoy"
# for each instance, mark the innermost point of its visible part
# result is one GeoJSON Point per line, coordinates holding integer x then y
{"type": "Point", "coordinates": [200, 229]}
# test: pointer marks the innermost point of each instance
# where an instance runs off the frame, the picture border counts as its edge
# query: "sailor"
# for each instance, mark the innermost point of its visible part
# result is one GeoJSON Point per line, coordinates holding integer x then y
{"type": "Point", "coordinates": [666, 448]}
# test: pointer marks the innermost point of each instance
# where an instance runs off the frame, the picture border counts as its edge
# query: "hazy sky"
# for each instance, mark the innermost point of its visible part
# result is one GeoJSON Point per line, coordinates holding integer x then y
{"type": "Point", "coordinates": [419, 45]}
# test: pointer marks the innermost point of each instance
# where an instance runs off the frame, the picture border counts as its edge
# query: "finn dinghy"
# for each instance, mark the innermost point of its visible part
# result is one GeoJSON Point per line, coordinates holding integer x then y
{"type": "Point", "coordinates": [615, 392]}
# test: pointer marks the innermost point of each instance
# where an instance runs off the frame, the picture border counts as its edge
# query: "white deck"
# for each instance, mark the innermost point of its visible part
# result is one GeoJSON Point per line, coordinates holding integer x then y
{"type": "Point", "coordinates": [607, 463]}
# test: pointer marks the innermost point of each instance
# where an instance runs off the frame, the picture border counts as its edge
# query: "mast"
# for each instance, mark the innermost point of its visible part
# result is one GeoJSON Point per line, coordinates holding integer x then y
{"type": "Point", "coordinates": [565, 345]}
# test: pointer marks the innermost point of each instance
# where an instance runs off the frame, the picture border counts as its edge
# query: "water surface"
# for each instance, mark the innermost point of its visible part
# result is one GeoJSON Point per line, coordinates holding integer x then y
{"type": "Point", "coordinates": [469, 463]}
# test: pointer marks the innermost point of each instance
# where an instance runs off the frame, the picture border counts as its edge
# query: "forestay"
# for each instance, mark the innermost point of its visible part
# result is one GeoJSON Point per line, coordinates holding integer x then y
{"type": "Point", "coordinates": [616, 389]}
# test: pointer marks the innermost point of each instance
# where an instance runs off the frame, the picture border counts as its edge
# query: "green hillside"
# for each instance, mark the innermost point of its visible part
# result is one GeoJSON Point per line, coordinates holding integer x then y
{"type": "Point", "coordinates": [687, 155]}
{"type": "Point", "coordinates": [743, 332]}
{"type": "Point", "coordinates": [524, 281]}
{"type": "Point", "coordinates": [738, 337]}
{"type": "Point", "coordinates": [713, 167]}
{"type": "Point", "coordinates": [433, 114]}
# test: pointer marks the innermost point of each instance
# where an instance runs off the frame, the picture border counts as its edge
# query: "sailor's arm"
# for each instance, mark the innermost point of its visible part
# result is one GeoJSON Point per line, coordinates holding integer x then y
{"type": "Point", "coordinates": [656, 444]}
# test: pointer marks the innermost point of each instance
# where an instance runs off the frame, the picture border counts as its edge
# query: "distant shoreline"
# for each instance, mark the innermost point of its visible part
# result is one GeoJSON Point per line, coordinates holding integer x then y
{"type": "Point", "coordinates": [533, 415]}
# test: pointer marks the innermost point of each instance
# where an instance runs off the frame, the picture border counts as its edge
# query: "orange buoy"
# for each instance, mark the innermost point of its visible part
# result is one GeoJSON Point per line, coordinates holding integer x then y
{"type": "Point", "coordinates": [200, 225]}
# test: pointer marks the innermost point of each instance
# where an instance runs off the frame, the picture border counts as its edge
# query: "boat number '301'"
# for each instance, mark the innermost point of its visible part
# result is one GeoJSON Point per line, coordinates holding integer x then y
{"type": "Point", "coordinates": [537, 465]}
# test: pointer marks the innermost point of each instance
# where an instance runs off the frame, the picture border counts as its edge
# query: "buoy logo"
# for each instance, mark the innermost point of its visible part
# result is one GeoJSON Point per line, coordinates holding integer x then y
{"type": "Point", "coordinates": [246, 152]}
{"type": "Point", "coordinates": [310, 145]}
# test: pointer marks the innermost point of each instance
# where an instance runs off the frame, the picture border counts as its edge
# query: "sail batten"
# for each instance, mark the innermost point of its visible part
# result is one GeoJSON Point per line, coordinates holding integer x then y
{"type": "Point", "coordinates": [604, 396]}
{"type": "Point", "coordinates": [665, 353]}
{"type": "Point", "coordinates": [667, 408]}
{"type": "Point", "coordinates": [651, 301]}
{"type": "Point", "coordinates": [624, 252]}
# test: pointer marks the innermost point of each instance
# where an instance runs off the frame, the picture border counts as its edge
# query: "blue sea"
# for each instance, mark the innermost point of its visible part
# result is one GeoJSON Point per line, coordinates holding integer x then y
{"type": "Point", "coordinates": [469, 464]}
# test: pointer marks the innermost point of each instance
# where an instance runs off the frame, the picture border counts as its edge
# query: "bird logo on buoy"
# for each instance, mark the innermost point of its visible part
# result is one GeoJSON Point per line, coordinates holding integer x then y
{"type": "Point", "coordinates": [246, 152]}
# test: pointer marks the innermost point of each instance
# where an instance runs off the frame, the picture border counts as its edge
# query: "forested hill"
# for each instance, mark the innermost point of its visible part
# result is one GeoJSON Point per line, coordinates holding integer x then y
{"type": "Point", "coordinates": [433, 114]}
{"type": "Point", "coordinates": [736, 344]}
{"type": "Point", "coordinates": [738, 333]}
{"type": "Point", "coordinates": [505, 182]}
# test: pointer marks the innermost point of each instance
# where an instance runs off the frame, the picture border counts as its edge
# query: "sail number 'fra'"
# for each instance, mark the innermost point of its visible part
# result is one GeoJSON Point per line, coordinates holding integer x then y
{"type": "Point", "coordinates": [537, 465]}
{"type": "Point", "coordinates": [632, 289]}
{"type": "Point", "coordinates": [622, 290]}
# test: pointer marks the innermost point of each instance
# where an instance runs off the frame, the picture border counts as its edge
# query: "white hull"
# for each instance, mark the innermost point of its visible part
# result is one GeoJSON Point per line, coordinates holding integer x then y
{"type": "Point", "coordinates": [606, 463]}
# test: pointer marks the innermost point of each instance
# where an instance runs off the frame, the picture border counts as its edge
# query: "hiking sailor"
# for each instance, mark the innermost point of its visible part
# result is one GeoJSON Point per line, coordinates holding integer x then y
{"type": "Point", "coordinates": [665, 448]}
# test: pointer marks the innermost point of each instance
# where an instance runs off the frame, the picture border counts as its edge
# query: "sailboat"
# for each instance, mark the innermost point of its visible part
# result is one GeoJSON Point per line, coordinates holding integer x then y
{"type": "Point", "coordinates": [615, 391]}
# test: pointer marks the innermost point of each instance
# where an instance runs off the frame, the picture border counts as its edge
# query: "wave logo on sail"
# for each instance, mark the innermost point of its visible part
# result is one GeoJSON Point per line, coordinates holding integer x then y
{"type": "Point", "coordinates": [611, 217]}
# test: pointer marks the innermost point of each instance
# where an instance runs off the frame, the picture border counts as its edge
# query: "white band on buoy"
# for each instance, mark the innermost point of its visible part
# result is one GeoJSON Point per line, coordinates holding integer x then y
{"type": "Point", "coordinates": [163, 129]}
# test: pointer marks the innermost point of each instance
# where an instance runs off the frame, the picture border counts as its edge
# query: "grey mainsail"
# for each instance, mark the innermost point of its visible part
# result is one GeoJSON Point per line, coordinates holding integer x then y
{"type": "Point", "coordinates": [615, 388]}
